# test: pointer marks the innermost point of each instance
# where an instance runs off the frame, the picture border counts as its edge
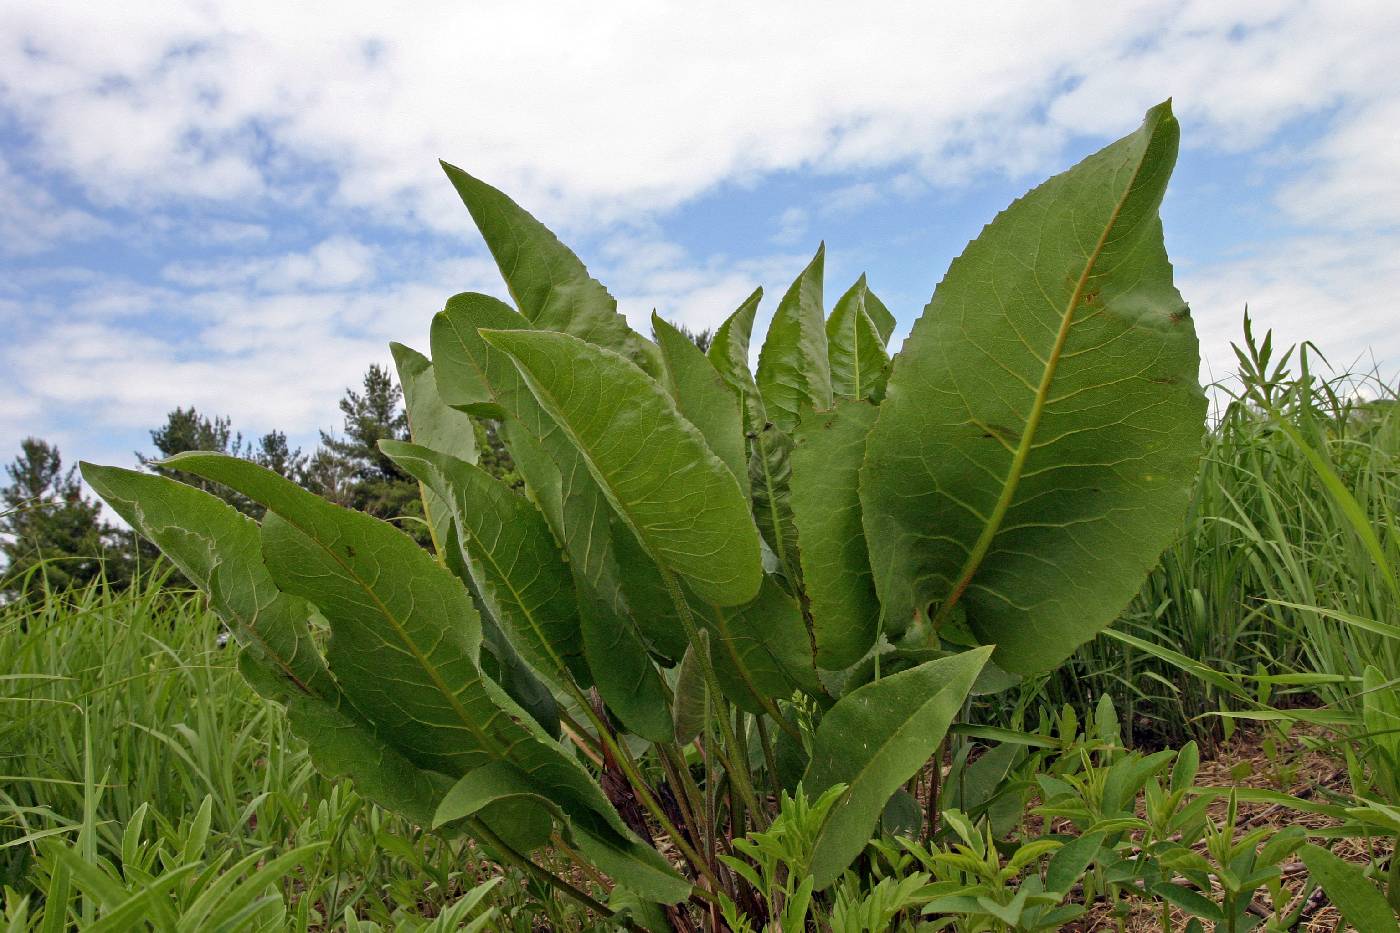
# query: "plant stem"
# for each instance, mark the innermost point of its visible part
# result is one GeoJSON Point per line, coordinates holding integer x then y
{"type": "Point", "coordinates": [544, 876]}
{"type": "Point", "coordinates": [770, 760]}
{"type": "Point", "coordinates": [739, 768]}
{"type": "Point", "coordinates": [684, 801]}
{"type": "Point", "coordinates": [639, 784]}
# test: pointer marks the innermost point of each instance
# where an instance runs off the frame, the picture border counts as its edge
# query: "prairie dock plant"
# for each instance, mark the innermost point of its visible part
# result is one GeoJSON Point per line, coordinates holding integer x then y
{"type": "Point", "coordinates": [810, 566]}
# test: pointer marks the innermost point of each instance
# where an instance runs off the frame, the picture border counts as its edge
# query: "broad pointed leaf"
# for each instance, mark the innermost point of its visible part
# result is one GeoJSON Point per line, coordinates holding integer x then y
{"type": "Point", "coordinates": [729, 353]}
{"type": "Point", "coordinates": [548, 282]}
{"type": "Point", "coordinates": [343, 746]}
{"type": "Point", "coordinates": [622, 669]}
{"type": "Point", "coordinates": [640, 868]}
{"type": "Point", "coordinates": [761, 649]}
{"type": "Point", "coordinates": [647, 596]}
{"type": "Point", "coordinates": [826, 508]}
{"type": "Point", "coordinates": [683, 504]}
{"type": "Point", "coordinates": [873, 740]}
{"type": "Point", "coordinates": [401, 623]}
{"type": "Point", "coordinates": [769, 447]}
{"type": "Point", "coordinates": [481, 378]}
{"type": "Point", "coordinates": [218, 548]}
{"type": "Point", "coordinates": [511, 555]}
{"type": "Point", "coordinates": [770, 478]}
{"type": "Point", "coordinates": [1043, 422]}
{"type": "Point", "coordinates": [702, 397]}
{"type": "Point", "coordinates": [859, 363]}
{"type": "Point", "coordinates": [880, 316]}
{"type": "Point", "coordinates": [793, 372]}
{"type": "Point", "coordinates": [1360, 903]}
{"type": "Point", "coordinates": [433, 424]}
{"type": "Point", "coordinates": [208, 539]}
{"type": "Point", "coordinates": [691, 700]}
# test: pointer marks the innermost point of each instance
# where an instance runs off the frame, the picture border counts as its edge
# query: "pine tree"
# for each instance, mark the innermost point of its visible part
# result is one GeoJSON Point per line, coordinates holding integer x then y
{"type": "Point", "coordinates": [377, 485]}
{"type": "Point", "coordinates": [186, 429]}
{"type": "Point", "coordinates": [45, 519]}
{"type": "Point", "coordinates": [277, 455]}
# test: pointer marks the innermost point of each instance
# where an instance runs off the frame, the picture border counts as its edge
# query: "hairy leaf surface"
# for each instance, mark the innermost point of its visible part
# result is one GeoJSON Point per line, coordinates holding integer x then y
{"type": "Point", "coordinates": [873, 740]}
{"type": "Point", "coordinates": [1043, 421]}
{"type": "Point", "coordinates": [683, 504]}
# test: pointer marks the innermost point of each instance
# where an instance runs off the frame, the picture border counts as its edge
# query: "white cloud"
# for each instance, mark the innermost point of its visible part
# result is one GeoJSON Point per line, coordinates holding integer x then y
{"type": "Point", "coordinates": [1334, 290]}
{"type": "Point", "coordinates": [335, 262]}
{"type": "Point", "coordinates": [793, 224]}
{"type": "Point", "coordinates": [1356, 184]}
{"type": "Point", "coordinates": [32, 220]}
{"type": "Point", "coordinates": [595, 114]}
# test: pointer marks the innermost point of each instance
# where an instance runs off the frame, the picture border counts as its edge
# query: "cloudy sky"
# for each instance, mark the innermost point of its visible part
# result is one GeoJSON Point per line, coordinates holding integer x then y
{"type": "Point", "coordinates": [236, 205]}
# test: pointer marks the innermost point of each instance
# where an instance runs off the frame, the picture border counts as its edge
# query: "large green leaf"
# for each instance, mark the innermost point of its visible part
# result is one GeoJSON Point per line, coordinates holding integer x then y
{"type": "Point", "coordinates": [207, 539]}
{"type": "Point", "coordinates": [760, 650]}
{"type": "Point", "coordinates": [1042, 424]}
{"type": "Point", "coordinates": [770, 478]}
{"type": "Point", "coordinates": [691, 704]}
{"type": "Point", "coordinates": [480, 378]}
{"type": "Point", "coordinates": [856, 350]}
{"type": "Point", "coordinates": [343, 746]}
{"type": "Point", "coordinates": [793, 372]}
{"type": "Point", "coordinates": [547, 281]}
{"type": "Point", "coordinates": [511, 555]}
{"type": "Point", "coordinates": [880, 316]}
{"type": "Point", "coordinates": [404, 636]}
{"type": "Point", "coordinates": [826, 507]}
{"type": "Point", "coordinates": [729, 353]}
{"type": "Point", "coordinates": [1360, 903]}
{"type": "Point", "coordinates": [218, 548]}
{"type": "Point", "coordinates": [622, 669]}
{"type": "Point", "coordinates": [769, 447]}
{"type": "Point", "coordinates": [682, 503]}
{"type": "Point", "coordinates": [639, 867]}
{"type": "Point", "coordinates": [702, 398]}
{"type": "Point", "coordinates": [648, 597]}
{"type": "Point", "coordinates": [434, 424]}
{"type": "Point", "coordinates": [873, 740]}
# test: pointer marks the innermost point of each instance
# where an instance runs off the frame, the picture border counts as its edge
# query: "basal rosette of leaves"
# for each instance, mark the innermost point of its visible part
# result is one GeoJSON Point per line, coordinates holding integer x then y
{"type": "Point", "coordinates": [859, 534]}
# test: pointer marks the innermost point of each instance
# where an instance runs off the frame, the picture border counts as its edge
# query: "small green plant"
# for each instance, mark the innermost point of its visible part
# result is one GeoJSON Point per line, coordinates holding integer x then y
{"type": "Point", "coordinates": [858, 536]}
{"type": "Point", "coordinates": [165, 878]}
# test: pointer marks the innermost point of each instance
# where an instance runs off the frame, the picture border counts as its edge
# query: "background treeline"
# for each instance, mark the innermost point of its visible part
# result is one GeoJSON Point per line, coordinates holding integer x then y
{"type": "Point", "coordinates": [52, 533]}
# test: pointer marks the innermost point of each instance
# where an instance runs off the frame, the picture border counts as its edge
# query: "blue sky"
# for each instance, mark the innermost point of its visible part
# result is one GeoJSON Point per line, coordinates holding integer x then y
{"type": "Point", "coordinates": [237, 205]}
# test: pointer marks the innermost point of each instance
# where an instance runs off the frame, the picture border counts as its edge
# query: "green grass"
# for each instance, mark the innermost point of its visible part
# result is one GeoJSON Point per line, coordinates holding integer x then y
{"type": "Point", "coordinates": [1282, 585]}
{"type": "Point", "coordinates": [128, 740]}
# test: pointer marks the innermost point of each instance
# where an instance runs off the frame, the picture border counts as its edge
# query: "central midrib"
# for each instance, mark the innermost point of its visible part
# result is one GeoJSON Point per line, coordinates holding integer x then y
{"type": "Point", "coordinates": [1047, 378]}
